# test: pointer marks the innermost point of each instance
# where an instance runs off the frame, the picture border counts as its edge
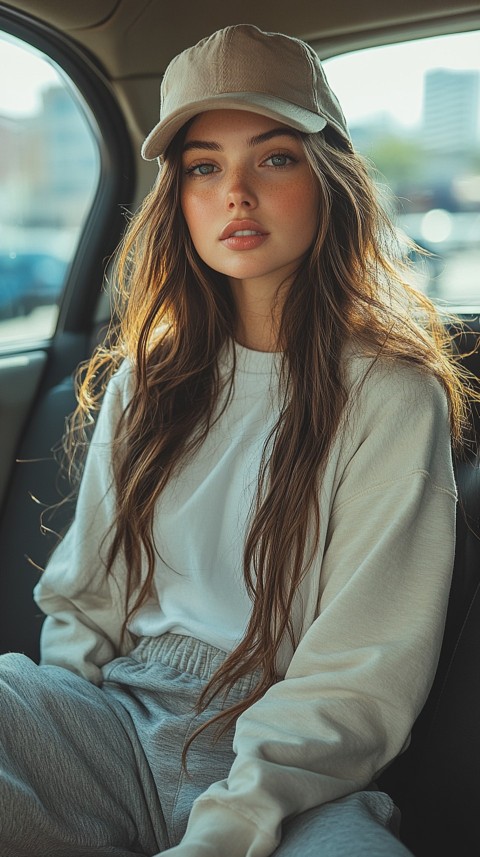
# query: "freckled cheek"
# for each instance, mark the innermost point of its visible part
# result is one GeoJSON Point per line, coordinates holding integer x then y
{"type": "Point", "coordinates": [301, 207]}
{"type": "Point", "coordinates": [300, 197]}
{"type": "Point", "coordinates": [193, 212]}
{"type": "Point", "coordinates": [311, 209]}
{"type": "Point", "coordinates": [197, 211]}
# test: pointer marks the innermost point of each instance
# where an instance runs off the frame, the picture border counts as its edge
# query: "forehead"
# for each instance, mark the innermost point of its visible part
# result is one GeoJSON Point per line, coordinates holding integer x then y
{"type": "Point", "coordinates": [214, 123]}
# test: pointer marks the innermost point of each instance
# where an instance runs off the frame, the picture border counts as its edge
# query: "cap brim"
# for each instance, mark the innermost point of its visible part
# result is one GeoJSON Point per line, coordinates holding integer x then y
{"type": "Point", "coordinates": [266, 105]}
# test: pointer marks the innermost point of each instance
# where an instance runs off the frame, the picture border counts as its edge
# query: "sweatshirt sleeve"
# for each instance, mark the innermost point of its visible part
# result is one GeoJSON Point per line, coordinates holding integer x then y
{"type": "Point", "coordinates": [362, 671]}
{"type": "Point", "coordinates": [85, 609]}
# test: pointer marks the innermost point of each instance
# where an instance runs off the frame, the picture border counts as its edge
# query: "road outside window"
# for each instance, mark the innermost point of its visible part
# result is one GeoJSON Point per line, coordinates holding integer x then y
{"type": "Point", "coordinates": [414, 110]}
{"type": "Point", "coordinates": [49, 171]}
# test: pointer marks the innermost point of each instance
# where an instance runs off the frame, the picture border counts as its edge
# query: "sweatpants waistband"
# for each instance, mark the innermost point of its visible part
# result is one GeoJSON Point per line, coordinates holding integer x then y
{"type": "Point", "coordinates": [188, 655]}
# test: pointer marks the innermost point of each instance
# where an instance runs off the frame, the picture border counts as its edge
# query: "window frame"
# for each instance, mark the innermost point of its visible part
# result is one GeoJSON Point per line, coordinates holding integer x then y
{"type": "Point", "coordinates": [105, 221]}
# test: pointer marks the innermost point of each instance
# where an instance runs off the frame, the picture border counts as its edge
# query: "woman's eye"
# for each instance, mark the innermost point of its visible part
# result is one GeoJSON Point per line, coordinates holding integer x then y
{"type": "Point", "coordinates": [279, 160]}
{"type": "Point", "coordinates": [201, 170]}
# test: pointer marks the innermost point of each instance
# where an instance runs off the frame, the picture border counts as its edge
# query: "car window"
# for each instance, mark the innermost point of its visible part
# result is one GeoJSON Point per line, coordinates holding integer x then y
{"type": "Point", "coordinates": [413, 110]}
{"type": "Point", "coordinates": [49, 172]}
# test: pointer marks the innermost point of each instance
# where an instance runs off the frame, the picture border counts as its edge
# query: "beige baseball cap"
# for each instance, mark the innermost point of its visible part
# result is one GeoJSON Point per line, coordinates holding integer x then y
{"type": "Point", "coordinates": [244, 68]}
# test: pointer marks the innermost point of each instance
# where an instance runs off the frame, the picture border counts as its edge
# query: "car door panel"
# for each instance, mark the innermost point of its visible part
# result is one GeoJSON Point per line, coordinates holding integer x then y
{"type": "Point", "coordinates": [20, 377]}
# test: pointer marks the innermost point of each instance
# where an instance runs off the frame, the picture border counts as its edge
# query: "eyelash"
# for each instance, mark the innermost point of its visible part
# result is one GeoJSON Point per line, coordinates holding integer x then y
{"type": "Point", "coordinates": [190, 171]}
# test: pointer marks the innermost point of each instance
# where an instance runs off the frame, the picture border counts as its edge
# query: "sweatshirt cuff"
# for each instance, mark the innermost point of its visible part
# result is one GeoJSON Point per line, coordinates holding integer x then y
{"type": "Point", "coordinates": [215, 830]}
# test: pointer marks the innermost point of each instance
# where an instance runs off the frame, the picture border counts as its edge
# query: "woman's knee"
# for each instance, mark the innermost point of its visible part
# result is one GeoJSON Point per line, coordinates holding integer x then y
{"type": "Point", "coordinates": [34, 692]}
{"type": "Point", "coordinates": [358, 824]}
{"type": "Point", "coordinates": [16, 669]}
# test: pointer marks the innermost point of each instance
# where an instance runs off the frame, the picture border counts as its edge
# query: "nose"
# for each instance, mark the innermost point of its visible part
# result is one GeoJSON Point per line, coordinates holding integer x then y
{"type": "Point", "coordinates": [241, 192]}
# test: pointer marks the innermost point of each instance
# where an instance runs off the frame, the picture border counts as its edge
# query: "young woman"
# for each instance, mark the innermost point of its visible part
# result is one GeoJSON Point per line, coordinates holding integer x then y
{"type": "Point", "coordinates": [244, 619]}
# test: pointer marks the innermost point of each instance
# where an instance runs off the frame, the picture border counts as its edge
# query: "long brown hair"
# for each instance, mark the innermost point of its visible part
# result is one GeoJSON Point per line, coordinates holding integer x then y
{"type": "Point", "coordinates": [176, 315]}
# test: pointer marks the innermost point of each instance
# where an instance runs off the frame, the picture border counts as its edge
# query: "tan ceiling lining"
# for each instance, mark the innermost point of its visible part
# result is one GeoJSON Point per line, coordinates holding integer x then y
{"type": "Point", "coordinates": [115, 40]}
{"type": "Point", "coordinates": [126, 13]}
{"type": "Point", "coordinates": [97, 23]}
{"type": "Point", "coordinates": [425, 28]}
{"type": "Point", "coordinates": [126, 54]}
{"type": "Point", "coordinates": [344, 43]}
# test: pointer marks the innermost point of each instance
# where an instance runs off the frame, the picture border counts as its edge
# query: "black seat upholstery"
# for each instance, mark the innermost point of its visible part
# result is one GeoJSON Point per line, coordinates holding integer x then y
{"type": "Point", "coordinates": [436, 782]}
{"type": "Point", "coordinates": [22, 541]}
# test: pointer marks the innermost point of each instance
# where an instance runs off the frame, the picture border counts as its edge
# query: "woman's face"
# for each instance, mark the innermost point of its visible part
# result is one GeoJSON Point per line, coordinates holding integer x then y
{"type": "Point", "coordinates": [248, 196]}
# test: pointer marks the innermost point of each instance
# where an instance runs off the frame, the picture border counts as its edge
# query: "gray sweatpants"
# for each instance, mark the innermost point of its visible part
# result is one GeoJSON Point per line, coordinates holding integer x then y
{"type": "Point", "coordinates": [87, 771]}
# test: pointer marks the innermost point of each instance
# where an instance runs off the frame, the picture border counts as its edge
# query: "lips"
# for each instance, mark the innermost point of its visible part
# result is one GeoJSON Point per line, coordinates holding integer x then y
{"type": "Point", "coordinates": [240, 229]}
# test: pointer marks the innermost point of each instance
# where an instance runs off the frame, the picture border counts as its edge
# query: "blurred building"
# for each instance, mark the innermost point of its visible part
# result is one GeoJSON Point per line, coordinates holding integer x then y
{"type": "Point", "coordinates": [451, 111]}
{"type": "Point", "coordinates": [50, 164]}
{"type": "Point", "coordinates": [66, 159]}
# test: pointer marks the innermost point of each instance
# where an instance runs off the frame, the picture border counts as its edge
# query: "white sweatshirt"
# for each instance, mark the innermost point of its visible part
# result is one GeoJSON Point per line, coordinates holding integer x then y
{"type": "Point", "coordinates": [369, 614]}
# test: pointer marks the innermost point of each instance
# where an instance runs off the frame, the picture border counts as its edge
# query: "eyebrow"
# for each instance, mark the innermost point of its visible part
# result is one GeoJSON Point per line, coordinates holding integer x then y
{"type": "Point", "coordinates": [211, 146]}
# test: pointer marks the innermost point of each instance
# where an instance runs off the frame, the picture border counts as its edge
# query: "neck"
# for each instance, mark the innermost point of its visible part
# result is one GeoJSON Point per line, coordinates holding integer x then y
{"type": "Point", "coordinates": [258, 317]}
{"type": "Point", "coordinates": [256, 333]}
